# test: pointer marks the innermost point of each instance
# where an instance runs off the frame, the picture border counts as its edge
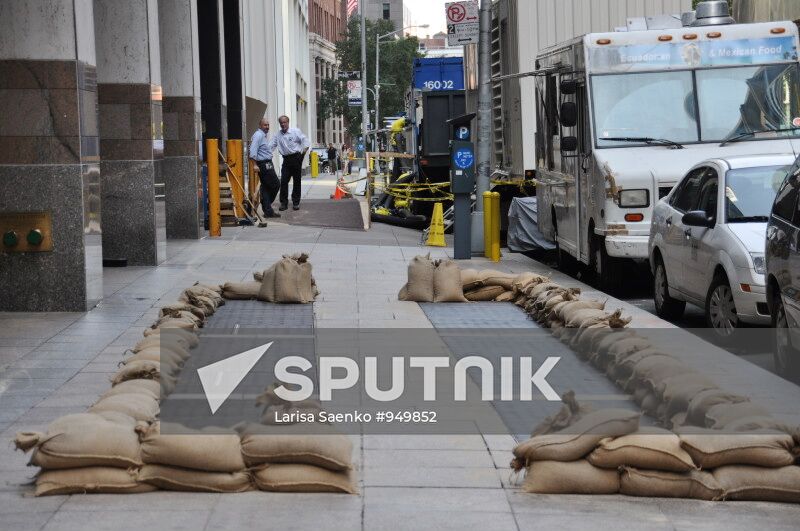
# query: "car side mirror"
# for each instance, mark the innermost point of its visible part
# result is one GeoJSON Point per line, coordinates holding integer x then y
{"type": "Point", "coordinates": [569, 143]}
{"type": "Point", "coordinates": [698, 218]}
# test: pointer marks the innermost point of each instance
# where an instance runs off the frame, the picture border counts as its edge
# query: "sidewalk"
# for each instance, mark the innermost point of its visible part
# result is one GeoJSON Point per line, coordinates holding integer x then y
{"type": "Point", "coordinates": [56, 364]}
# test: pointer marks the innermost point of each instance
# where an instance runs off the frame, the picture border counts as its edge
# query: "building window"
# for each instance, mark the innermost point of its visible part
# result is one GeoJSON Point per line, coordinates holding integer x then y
{"type": "Point", "coordinates": [386, 11]}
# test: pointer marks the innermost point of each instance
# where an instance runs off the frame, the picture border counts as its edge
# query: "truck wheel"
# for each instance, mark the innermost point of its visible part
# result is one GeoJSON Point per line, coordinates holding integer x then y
{"type": "Point", "coordinates": [721, 309]}
{"type": "Point", "coordinates": [666, 307]}
{"type": "Point", "coordinates": [787, 358]}
{"type": "Point", "coordinates": [603, 266]}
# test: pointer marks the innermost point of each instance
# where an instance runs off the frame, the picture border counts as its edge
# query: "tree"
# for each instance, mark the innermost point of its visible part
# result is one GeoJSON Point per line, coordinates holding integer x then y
{"type": "Point", "coordinates": [397, 58]}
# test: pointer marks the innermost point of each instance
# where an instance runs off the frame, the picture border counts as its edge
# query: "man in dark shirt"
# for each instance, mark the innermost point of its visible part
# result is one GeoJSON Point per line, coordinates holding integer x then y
{"type": "Point", "coordinates": [333, 163]}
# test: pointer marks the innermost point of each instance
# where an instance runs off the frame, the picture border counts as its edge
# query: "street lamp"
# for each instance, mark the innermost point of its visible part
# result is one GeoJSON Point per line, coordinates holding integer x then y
{"type": "Point", "coordinates": [378, 40]}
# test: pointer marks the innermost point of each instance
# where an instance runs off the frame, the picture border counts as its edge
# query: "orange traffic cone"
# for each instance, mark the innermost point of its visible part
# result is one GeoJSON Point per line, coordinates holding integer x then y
{"type": "Point", "coordinates": [339, 193]}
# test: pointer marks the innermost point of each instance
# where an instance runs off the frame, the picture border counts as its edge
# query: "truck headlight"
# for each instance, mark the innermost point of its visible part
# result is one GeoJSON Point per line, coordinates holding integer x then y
{"type": "Point", "coordinates": [634, 198]}
{"type": "Point", "coordinates": [759, 263]}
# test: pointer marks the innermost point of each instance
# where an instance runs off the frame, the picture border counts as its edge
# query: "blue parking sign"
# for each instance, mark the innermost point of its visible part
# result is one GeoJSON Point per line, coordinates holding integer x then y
{"type": "Point", "coordinates": [462, 133]}
{"type": "Point", "coordinates": [464, 158]}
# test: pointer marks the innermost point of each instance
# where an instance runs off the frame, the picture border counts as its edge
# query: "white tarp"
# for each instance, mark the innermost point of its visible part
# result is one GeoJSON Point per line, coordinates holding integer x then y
{"type": "Point", "coordinates": [523, 228]}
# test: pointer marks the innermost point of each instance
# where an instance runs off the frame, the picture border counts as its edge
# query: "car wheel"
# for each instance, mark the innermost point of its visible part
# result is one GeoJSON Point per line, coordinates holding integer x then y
{"type": "Point", "coordinates": [721, 309]}
{"type": "Point", "coordinates": [787, 358]}
{"type": "Point", "coordinates": [666, 307]}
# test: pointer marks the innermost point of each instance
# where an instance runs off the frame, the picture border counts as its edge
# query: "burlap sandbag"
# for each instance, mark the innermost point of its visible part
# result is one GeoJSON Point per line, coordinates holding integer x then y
{"type": "Point", "coordinates": [267, 291]}
{"type": "Point", "coordinates": [182, 315]}
{"type": "Point", "coordinates": [652, 371]}
{"type": "Point", "coordinates": [202, 290]}
{"type": "Point", "coordinates": [525, 279]}
{"type": "Point", "coordinates": [506, 296]}
{"type": "Point", "coordinates": [148, 370]}
{"type": "Point", "coordinates": [705, 400]}
{"type": "Point", "coordinates": [569, 307]}
{"type": "Point", "coordinates": [151, 388]}
{"type": "Point", "coordinates": [170, 341]}
{"type": "Point", "coordinates": [186, 480]}
{"type": "Point", "coordinates": [579, 439]}
{"type": "Point", "coordinates": [721, 415]}
{"type": "Point", "coordinates": [575, 477]}
{"type": "Point", "coordinates": [599, 348]}
{"type": "Point", "coordinates": [755, 483]}
{"type": "Point", "coordinates": [241, 290]}
{"type": "Point", "coordinates": [469, 279]}
{"type": "Point", "coordinates": [316, 445]}
{"type": "Point", "coordinates": [678, 391]}
{"type": "Point", "coordinates": [90, 480]}
{"type": "Point", "coordinates": [586, 317]}
{"type": "Point", "coordinates": [649, 448]}
{"type": "Point", "coordinates": [302, 478]}
{"type": "Point", "coordinates": [534, 290]}
{"type": "Point", "coordinates": [81, 440]}
{"type": "Point", "coordinates": [490, 277]}
{"type": "Point", "coordinates": [447, 283]}
{"type": "Point", "coordinates": [484, 294]}
{"type": "Point", "coordinates": [288, 280]}
{"type": "Point", "coordinates": [763, 422]}
{"type": "Point", "coordinates": [183, 323]}
{"type": "Point", "coordinates": [712, 449]}
{"type": "Point", "coordinates": [166, 357]}
{"type": "Point", "coordinates": [420, 279]}
{"type": "Point", "coordinates": [570, 413]}
{"type": "Point", "coordinates": [171, 333]}
{"type": "Point", "coordinates": [695, 484]}
{"type": "Point", "coordinates": [622, 371]}
{"type": "Point", "coordinates": [170, 309]}
{"type": "Point", "coordinates": [139, 406]}
{"type": "Point", "coordinates": [198, 451]}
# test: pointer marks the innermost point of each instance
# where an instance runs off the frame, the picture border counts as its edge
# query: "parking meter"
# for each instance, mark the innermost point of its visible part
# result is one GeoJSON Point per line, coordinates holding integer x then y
{"type": "Point", "coordinates": [462, 184]}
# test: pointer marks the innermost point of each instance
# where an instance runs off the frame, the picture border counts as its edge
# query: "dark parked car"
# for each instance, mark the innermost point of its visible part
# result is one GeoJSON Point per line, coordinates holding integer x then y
{"type": "Point", "coordinates": [783, 274]}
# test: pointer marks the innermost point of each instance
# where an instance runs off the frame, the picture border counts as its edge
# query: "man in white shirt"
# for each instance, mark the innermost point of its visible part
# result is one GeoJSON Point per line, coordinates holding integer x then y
{"type": "Point", "coordinates": [262, 156]}
{"type": "Point", "coordinates": [292, 144]}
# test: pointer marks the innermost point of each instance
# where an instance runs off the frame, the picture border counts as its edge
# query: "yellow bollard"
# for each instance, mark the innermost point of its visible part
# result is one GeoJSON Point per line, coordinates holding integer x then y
{"type": "Point", "coordinates": [495, 256]}
{"type": "Point", "coordinates": [314, 158]}
{"type": "Point", "coordinates": [436, 231]}
{"type": "Point", "coordinates": [212, 162]}
{"type": "Point", "coordinates": [487, 224]}
{"type": "Point", "coordinates": [252, 179]}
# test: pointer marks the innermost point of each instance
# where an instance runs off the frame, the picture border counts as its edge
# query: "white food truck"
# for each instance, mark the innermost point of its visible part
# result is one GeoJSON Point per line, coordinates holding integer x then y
{"type": "Point", "coordinates": [622, 116]}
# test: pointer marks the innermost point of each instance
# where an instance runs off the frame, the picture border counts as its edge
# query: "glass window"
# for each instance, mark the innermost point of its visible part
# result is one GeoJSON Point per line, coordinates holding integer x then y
{"type": "Point", "coordinates": [747, 99]}
{"type": "Point", "coordinates": [708, 194]}
{"type": "Point", "coordinates": [786, 201]}
{"type": "Point", "coordinates": [685, 197]}
{"type": "Point", "coordinates": [656, 105]}
{"type": "Point", "coordinates": [386, 11]}
{"type": "Point", "coordinates": [750, 192]}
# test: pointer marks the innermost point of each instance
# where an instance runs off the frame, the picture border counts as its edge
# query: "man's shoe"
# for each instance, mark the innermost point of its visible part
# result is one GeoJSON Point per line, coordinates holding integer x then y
{"type": "Point", "coordinates": [296, 206]}
{"type": "Point", "coordinates": [283, 207]}
{"type": "Point", "coordinates": [273, 215]}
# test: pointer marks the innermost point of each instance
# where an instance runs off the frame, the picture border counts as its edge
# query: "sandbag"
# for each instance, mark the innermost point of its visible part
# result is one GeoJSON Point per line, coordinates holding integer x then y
{"type": "Point", "coordinates": [169, 360]}
{"type": "Point", "coordinates": [712, 449]}
{"type": "Point", "coordinates": [183, 323]}
{"type": "Point", "coordinates": [678, 391]}
{"type": "Point", "coordinates": [586, 317]}
{"type": "Point", "coordinates": [579, 439]}
{"type": "Point", "coordinates": [528, 278]}
{"type": "Point", "coordinates": [649, 448]}
{"type": "Point", "coordinates": [484, 294]}
{"type": "Point", "coordinates": [294, 282]}
{"type": "Point", "coordinates": [170, 335]}
{"type": "Point", "coordinates": [199, 451]}
{"type": "Point", "coordinates": [151, 388]}
{"type": "Point", "coordinates": [753, 483]}
{"type": "Point", "coordinates": [82, 440]}
{"type": "Point", "coordinates": [570, 413]}
{"type": "Point", "coordinates": [420, 279]}
{"type": "Point", "coordinates": [182, 315]}
{"type": "Point", "coordinates": [241, 290]}
{"type": "Point", "coordinates": [469, 279]}
{"type": "Point", "coordinates": [447, 283]}
{"type": "Point", "coordinates": [172, 342]}
{"type": "Point", "coordinates": [302, 478]}
{"type": "Point", "coordinates": [267, 291]}
{"type": "Point", "coordinates": [312, 445]}
{"type": "Point", "coordinates": [695, 484]}
{"type": "Point", "coordinates": [179, 306]}
{"type": "Point", "coordinates": [653, 370]}
{"type": "Point", "coordinates": [762, 422]}
{"type": "Point", "coordinates": [182, 479]}
{"type": "Point", "coordinates": [570, 307]}
{"type": "Point", "coordinates": [90, 480]}
{"type": "Point", "coordinates": [721, 415]}
{"type": "Point", "coordinates": [705, 400]}
{"type": "Point", "coordinates": [148, 370]}
{"type": "Point", "coordinates": [139, 406]}
{"type": "Point", "coordinates": [506, 296]}
{"type": "Point", "coordinates": [575, 477]}
{"type": "Point", "coordinates": [490, 277]}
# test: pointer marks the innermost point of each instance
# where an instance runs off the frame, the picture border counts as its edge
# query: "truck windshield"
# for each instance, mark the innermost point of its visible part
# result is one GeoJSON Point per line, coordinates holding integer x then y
{"type": "Point", "coordinates": [731, 101]}
{"type": "Point", "coordinates": [750, 192]}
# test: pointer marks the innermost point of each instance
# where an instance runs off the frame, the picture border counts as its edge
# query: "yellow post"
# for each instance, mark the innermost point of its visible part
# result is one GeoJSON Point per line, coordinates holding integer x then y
{"type": "Point", "coordinates": [495, 227]}
{"type": "Point", "coordinates": [314, 158]}
{"type": "Point", "coordinates": [212, 162]}
{"type": "Point", "coordinates": [233, 177]}
{"type": "Point", "coordinates": [252, 179]}
{"type": "Point", "coordinates": [436, 231]}
{"type": "Point", "coordinates": [487, 224]}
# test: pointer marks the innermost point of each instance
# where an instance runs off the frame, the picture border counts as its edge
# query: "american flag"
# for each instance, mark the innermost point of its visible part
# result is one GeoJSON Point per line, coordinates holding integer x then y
{"type": "Point", "coordinates": [352, 6]}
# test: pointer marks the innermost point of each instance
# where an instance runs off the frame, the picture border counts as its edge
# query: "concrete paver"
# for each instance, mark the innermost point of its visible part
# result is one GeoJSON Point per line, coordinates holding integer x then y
{"type": "Point", "coordinates": [56, 363]}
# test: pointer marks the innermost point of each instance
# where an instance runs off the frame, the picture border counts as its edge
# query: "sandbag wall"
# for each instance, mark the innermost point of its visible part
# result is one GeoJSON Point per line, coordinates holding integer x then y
{"type": "Point", "coordinates": [722, 446]}
{"type": "Point", "coordinates": [117, 446]}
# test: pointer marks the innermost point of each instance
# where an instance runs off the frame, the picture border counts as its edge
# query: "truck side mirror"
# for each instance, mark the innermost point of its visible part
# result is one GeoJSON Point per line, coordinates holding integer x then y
{"type": "Point", "coordinates": [569, 143]}
{"type": "Point", "coordinates": [568, 114]}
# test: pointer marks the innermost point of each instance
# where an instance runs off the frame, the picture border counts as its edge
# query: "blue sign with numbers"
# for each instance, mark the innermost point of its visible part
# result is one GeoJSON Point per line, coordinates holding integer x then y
{"type": "Point", "coordinates": [464, 158]}
{"type": "Point", "coordinates": [446, 73]}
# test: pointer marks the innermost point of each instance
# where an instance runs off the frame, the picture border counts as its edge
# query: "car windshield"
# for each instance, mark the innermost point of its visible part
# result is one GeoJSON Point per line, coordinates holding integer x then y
{"type": "Point", "coordinates": [664, 105]}
{"type": "Point", "coordinates": [750, 192]}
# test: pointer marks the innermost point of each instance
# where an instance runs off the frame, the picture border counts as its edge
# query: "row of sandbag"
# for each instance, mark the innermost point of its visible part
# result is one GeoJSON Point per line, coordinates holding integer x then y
{"type": "Point", "coordinates": [287, 281]}
{"type": "Point", "coordinates": [117, 445]}
{"type": "Point", "coordinates": [607, 452]}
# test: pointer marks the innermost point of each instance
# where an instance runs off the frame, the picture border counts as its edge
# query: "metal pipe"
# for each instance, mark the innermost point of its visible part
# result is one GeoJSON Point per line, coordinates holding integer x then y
{"type": "Point", "coordinates": [377, 86]}
{"type": "Point", "coordinates": [212, 162]}
{"type": "Point", "coordinates": [364, 111]}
